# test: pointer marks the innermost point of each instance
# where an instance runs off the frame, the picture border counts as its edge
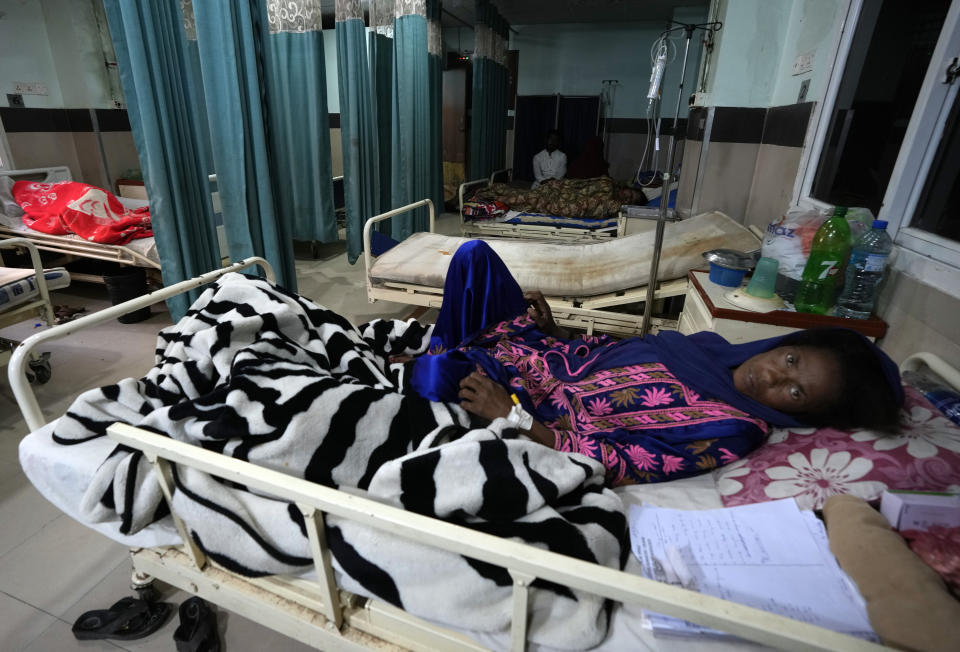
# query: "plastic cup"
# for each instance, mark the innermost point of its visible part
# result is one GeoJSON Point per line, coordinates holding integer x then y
{"type": "Point", "coordinates": [764, 278]}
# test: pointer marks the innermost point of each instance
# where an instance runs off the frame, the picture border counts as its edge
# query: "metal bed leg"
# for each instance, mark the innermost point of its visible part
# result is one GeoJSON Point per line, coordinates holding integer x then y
{"type": "Point", "coordinates": [144, 585]}
{"type": "Point", "coordinates": [165, 478]}
{"type": "Point", "coordinates": [313, 519]}
{"type": "Point", "coordinates": [521, 600]}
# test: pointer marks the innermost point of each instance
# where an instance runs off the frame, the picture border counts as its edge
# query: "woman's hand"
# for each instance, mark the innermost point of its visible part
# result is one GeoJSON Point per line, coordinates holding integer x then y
{"type": "Point", "coordinates": [542, 316]}
{"type": "Point", "coordinates": [481, 396]}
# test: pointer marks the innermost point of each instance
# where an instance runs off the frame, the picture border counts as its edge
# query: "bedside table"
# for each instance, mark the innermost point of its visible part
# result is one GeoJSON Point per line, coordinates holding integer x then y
{"type": "Point", "coordinates": [705, 309]}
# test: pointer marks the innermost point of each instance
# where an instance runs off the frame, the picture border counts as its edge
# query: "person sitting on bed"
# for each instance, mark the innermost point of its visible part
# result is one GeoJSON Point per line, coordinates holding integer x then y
{"type": "Point", "coordinates": [550, 163]}
{"type": "Point", "coordinates": [650, 409]}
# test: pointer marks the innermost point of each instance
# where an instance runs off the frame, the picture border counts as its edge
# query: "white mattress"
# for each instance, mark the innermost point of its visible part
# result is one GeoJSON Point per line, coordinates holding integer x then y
{"type": "Point", "coordinates": [14, 226]}
{"type": "Point", "coordinates": [62, 474]}
{"type": "Point", "coordinates": [572, 270]}
{"type": "Point", "coordinates": [19, 285]}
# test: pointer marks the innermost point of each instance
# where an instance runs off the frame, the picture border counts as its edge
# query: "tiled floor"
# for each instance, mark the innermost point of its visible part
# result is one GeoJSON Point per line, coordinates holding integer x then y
{"type": "Point", "coordinates": [52, 569]}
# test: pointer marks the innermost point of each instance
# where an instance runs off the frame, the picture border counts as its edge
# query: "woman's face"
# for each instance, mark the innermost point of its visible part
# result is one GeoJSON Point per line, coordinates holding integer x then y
{"type": "Point", "coordinates": [791, 379]}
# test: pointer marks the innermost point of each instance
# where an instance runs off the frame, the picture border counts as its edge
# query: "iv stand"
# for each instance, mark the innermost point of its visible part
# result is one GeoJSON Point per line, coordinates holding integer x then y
{"type": "Point", "coordinates": [668, 175]}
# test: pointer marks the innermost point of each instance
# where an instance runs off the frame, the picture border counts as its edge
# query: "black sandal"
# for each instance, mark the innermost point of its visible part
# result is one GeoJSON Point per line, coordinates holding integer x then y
{"type": "Point", "coordinates": [127, 620]}
{"type": "Point", "coordinates": [198, 628]}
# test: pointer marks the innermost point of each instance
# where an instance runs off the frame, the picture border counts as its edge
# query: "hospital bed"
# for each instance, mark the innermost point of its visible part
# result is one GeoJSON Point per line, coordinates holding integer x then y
{"type": "Point", "coordinates": [141, 252]}
{"type": "Point", "coordinates": [524, 225]}
{"type": "Point", "coordinates": [315, 609]}
{"type": "Point", "coordinates": [588, 285]}
{"type": "Point", "coordinates": [25, 294]}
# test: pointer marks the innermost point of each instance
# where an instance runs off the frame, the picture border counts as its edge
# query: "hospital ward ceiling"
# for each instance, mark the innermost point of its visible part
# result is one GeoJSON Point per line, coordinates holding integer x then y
{"type": "Point", "coordinates": [533, 12]}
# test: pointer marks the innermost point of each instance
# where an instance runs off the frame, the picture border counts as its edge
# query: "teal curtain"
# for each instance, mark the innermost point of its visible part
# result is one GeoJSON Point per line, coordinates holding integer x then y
{"type": "Point", "coordinates": [410, 138]}
{"type": "Point", "coordinates": [381, 81]}
{"type": "Point", "coordinates": [361, 161]}
{"type": "Point", "coordinates": [230, 38]}
{"type": "Point", "coordinates": [435, 84]}
{"type": "Point", "coordinates": [299, 128]}
{"type": "Point", "coordinates": [153, 61]}
{"type": "Point", "coordinates": [488, 110]}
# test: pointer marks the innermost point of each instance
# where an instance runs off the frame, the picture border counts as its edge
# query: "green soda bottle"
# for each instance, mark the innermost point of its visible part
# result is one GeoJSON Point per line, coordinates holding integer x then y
{"type": "Point", "coordinates": [828, 253]}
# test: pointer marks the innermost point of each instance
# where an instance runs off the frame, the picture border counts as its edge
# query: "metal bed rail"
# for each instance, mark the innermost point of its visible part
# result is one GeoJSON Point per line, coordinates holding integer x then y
{"type": "Point", "coordinates": [27, 401]}
{"type": "Point", "coordinates": [583, 313]}
{"type": "Point", "coordinates": [368, 233]}
{"type": "Point", "coordinates": [525, 563]}
{"type": "Point", "coordinates": [43, 303]}
{"type": "Point", "coordinates": [76, 247]}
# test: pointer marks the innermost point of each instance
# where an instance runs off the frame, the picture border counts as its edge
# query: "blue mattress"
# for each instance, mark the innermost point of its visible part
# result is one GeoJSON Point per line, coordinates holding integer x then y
{"type": "Point", "coordinates": [15, 292]}
{"type": "Point", "coordinates": [541, 219]}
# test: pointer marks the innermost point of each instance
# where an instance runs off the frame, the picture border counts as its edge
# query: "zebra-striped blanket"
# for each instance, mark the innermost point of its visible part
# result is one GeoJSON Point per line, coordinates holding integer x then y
{"type": "Point", "coordinates": [267, 376]}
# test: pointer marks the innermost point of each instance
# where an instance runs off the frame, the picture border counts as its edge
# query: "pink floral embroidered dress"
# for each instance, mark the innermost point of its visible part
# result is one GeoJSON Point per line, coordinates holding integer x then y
{"type": "Point", "coordinates": [642, 423]}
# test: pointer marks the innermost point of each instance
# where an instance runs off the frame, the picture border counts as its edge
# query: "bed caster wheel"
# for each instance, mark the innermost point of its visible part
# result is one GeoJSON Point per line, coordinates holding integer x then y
{"type": "Point", "coordinates": [148, 593]}
{"type": "Point", "coordinates": [40, 370]}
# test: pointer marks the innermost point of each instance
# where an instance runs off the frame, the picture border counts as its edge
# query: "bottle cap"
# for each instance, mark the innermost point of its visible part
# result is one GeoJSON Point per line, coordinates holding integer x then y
{"type": "Point", "coordinates": [840, 210]}
{"type": "Point", "coordinates": [879, 224]}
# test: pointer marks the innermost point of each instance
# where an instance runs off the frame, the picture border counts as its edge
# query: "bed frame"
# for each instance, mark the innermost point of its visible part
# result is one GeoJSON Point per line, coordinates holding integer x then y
{"type": "Point", "coordinates": [584, 313]}
{"type": "Point", "coordinates": [73, 246]}
{"type": "Point", "coordinates": [531, 231]}
{"type": "Point", "coordinates": [40, 306]}
{"type": "Point", "coordinates": [317, 612]}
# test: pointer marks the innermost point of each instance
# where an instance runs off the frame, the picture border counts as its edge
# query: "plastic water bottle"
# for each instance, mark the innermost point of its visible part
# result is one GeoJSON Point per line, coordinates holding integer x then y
{"type": "Point", "coordinates": [937, 392]}
{"type": "Point", "coordinates": [828, 252]}
{"type": "Point", "coordinates": [865, 271]}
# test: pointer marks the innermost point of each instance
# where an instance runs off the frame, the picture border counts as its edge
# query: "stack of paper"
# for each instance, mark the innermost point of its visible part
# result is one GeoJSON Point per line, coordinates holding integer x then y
{"type": "Point", "coordinates": [770, 556]}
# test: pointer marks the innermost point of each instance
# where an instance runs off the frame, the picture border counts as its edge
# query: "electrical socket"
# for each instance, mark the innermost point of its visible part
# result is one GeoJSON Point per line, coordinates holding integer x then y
{"type": "Point", "coordinates": [30, 88]}
{"type": "Point", "coordinates": [15, 99]}
{"type": "Point", "coordinates": [803, 63]}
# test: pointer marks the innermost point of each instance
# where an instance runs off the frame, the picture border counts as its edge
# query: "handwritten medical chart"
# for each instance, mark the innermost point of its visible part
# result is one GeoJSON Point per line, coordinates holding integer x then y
{"type": "Point", "coordinates": [770, 556]}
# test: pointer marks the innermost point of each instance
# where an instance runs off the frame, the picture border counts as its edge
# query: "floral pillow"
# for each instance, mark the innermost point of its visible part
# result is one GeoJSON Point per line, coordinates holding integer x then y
{"type": "Point", "coordinates": [811, 465]}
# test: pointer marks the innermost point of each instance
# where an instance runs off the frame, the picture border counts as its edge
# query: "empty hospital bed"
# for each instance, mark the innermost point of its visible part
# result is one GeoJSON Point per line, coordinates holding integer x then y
{"type": "Point", "coordinates": [141, 252]}
{"type": "Point", "coordinates": [585, 283]}
{"type": "Point", "coordinates": [315, 609]}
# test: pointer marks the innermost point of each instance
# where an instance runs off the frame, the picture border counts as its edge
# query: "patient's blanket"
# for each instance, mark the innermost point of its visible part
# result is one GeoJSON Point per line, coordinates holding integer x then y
{"type": "Point", "coordinates": [69, 207]}
{"type": "Point", "coordinates": [267, 376]}
{"type": "Point", "coordinates": [579, 198]}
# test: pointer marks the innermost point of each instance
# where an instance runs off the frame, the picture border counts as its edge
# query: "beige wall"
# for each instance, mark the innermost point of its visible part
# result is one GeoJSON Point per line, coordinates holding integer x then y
{"type": "Point", "coordinates": [31, 149]}
{"type": "Point", "coordinates": [77, 150]}
{"type": "Point", "coordinates": [921, 318]}
{"type": "Point", "coordinates": [727, 178]}
{"type": "Point", "coordinates": [772, 189]}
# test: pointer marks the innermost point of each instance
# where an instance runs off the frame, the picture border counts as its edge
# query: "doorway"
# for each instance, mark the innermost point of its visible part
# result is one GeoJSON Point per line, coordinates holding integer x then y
{"type": "Point", "coordinates": [576, 117]}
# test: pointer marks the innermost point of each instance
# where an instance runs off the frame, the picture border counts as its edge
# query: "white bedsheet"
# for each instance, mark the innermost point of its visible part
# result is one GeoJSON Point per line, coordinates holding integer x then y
{"type": "Point", "coordinates": [577, 270]}
{"type": "Point", "coordinates": [62, 474]}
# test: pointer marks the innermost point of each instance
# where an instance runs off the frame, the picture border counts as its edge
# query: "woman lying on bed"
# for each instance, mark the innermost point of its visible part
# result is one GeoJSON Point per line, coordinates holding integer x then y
{"type": "Point", "coordinates": [652, 409]}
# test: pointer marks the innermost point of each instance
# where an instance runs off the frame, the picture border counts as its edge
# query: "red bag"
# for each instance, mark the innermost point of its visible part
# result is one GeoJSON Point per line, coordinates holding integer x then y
{"type": "Point", "coordinates": [87, 211]}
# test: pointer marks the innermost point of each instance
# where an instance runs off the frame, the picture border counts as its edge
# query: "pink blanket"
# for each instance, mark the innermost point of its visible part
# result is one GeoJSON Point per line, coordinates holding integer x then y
{"type": "Point", "coordinates": [92, 213]}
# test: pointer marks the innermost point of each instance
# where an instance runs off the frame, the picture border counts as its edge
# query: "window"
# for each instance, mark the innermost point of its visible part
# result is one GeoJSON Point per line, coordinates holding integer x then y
{"type": "Point", "coordinates": [889, 55]}
{"type": "Point", "coordinates": [917, 186]}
